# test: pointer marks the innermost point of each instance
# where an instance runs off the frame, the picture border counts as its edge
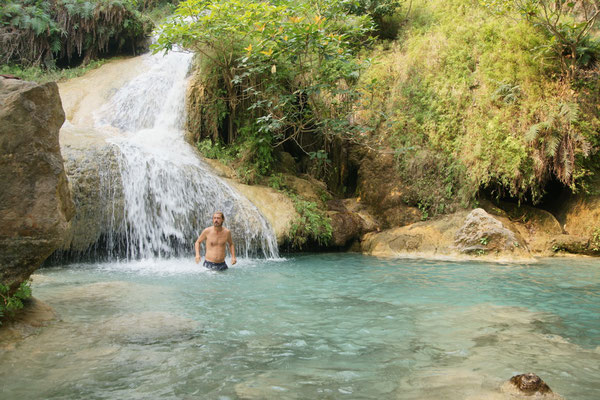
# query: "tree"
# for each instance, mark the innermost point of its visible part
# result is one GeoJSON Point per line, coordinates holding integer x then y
{"type": "Point", "coordinates": [287, 69]}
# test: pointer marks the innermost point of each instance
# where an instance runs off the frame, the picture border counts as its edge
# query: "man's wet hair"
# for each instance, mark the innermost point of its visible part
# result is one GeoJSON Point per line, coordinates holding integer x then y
{"type": "Point", "coordinates": [219, 212]}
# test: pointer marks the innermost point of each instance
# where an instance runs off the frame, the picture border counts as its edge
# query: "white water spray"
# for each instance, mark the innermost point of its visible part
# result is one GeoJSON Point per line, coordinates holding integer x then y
{"type": "Point", "coordinates": [170, 195]}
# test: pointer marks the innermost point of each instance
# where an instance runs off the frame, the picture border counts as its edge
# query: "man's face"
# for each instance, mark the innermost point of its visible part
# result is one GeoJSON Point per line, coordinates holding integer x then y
{"type": "Point", "coordinates": [217, 220]}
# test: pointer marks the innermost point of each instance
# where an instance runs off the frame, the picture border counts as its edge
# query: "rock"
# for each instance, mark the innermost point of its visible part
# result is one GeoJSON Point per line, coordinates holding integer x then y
{"type": "Point", "coordinates": [34, 315]}
{"type": "Point", "coordinates": [537, 227]}
{"type": "Point", "coordinates": [383, 192]}
{"type": "Point", "coordinates": [580, 215]}
{"type": "Point", "coordinates": [276, 207]}
{"type": "Point", "coordinates": [349, 221]}
{"type": "Point", "coordinates": [35, 202]}
{"type": "Point", "coordinates": [571, 244]}
{"type": "Point", "coordinates": [483, 233]}
{"type": "Point", "coordinates": [528, 385]}
{"type": "Point", "coordinates": [453, 236]}
{"type": "Point", "coordinates": [97, 191]}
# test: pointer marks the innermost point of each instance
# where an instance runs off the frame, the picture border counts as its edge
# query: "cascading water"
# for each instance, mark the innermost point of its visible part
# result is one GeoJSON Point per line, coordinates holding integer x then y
{"type": "Point", "coordinates": [169, 194]}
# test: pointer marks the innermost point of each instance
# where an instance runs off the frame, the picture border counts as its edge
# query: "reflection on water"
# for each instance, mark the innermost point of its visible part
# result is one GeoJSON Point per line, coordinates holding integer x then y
{"type": "Point", "coordinates": [327, 326]}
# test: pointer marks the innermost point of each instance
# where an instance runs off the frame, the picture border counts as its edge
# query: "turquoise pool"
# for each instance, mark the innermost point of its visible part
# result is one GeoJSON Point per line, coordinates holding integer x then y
{"type": "Point", "coordinates": [326, 326]}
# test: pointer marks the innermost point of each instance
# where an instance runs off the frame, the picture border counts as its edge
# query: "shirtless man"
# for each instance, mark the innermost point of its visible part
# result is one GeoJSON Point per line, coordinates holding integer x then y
{"type": "Point", "coordinates": [216, 238]}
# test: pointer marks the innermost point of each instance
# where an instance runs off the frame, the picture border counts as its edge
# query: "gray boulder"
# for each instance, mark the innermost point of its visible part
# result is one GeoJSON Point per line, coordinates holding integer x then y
{"type": "Point", "coordinates": [481, 232]}
{"type": "Point", "coordinates": [35, 203]}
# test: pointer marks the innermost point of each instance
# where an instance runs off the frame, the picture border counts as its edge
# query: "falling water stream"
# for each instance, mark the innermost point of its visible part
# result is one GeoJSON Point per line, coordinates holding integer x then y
{"type": "Point", "coordinates": [169, 193]}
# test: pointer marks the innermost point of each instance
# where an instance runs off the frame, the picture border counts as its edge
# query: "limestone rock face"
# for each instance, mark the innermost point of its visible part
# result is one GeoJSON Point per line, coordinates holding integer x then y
{"type": "Point", "coordinates": [277, 208]}
{"type": "Point", "coordinates": [571, 244]}
{"type": "Point", "coordinates": [349, 221]}
{"type": "Point", "coordinates": [97, 192]}
{"type": "Point", "coordinates": [481, 232]}
{"type": "Point", "coordinates": [383, 192]}
{"type": "Point", "coordinates": [35, 203]}
{"type": "Point", "coordinates": [453, 236]}
{"type": "Point", "coordinates": [581, 215]}
{"type": "Point", "coordinates": [537, 227]}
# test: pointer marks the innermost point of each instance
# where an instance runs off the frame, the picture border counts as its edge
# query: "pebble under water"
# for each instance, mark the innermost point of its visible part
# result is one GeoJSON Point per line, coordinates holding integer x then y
{"type": "Point", "coordinates": [327, 326]}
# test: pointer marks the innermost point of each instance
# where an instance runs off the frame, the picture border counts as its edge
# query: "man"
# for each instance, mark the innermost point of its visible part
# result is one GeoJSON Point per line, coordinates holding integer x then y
{"type": "Point", "coordinates": [216, 238]}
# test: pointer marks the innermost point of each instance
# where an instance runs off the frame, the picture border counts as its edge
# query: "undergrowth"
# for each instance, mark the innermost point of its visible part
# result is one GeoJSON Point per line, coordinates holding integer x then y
{"type": "Point", "coordinates": [470, 100]}
{"type": "Point", "coordinates": [312, 226]}
{"type": "Point", "coordinates": [10, 303]}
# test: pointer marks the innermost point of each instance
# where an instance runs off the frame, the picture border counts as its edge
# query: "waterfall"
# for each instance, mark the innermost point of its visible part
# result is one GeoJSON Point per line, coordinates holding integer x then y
{"type": "Point", "coordinates": [169, 193]}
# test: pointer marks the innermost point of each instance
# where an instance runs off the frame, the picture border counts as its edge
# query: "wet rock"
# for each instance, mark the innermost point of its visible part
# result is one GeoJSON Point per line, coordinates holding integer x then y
{"type": "Point", "coordinates": [276, 207]}
{"type": "Point", "coordinates": [35, 203]}
{"type": "Point", "coordinates": [481, 232]}
{"type": "Point", "coordinates": [97, 191]}
{"type": "Point", "coordinates": [529, 385]}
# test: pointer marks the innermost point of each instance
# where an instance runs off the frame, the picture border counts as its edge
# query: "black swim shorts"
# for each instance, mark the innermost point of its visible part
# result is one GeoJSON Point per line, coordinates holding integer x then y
{"type": "Point", "coordinates": [215, 266]}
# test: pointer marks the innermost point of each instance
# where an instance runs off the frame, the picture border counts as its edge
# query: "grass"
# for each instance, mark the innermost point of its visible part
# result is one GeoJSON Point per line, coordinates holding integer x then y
{"type": "Point", "coordinates": [43, 75]}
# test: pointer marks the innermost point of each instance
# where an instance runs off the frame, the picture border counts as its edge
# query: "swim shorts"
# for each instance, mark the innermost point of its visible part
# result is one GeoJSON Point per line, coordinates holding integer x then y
{"type": "Point", "coordinates": [215, 266]}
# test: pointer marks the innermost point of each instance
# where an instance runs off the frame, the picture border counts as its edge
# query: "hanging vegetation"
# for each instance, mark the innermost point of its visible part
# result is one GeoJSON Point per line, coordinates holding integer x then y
{"type": "Point", "coordinates": [68, 32]}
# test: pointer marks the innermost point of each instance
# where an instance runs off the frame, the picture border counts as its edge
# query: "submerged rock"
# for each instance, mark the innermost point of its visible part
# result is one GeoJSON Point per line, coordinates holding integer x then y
{"type": "Point", "coordinates": [35, 202]}
{"type": "Point", "coordinates": [527, 386]}
{"type": "Point", "coordinates": [34, 315]}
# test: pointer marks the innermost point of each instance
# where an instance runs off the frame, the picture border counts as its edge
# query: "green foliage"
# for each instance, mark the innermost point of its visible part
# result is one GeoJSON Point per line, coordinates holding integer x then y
{"type": "Point", "coordinates": [11, 302]}
{"type": "Point", "coordinates": [484, 240]}
{"type": "Point", "coordinates": [43, 75]}
{"type": "Point", "coordinates": [595, 240]}
{"type": "Point", "coordinates": [271, 72]}
{"type": "Point", "coordinates": [567, 26]}
{"type": "Point", "coordinates": [312, 224]}
{"type": "Point", "coordinates": [470, 96]}
{"type": "Point", "coordinates": [38, 33]}
{"type": "Point", "coordinates": [216, 151]}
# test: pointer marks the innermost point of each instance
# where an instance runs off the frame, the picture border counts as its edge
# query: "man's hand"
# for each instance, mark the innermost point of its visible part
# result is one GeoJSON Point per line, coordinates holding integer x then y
{"type": "Point", "coordinates": [233, 260]}
{"type": "Point", "coordinates": [197, 259]}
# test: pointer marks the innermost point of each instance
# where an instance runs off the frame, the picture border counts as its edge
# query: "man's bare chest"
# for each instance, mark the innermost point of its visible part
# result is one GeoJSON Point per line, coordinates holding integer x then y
{"type": "Point", "coordinates": [217, 239]}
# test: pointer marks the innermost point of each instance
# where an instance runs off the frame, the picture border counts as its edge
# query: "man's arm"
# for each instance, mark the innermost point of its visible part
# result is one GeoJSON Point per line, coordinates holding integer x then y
{"type": "Point", "coordinates": [231, 248]}
{"type": "Point", "coordinates": [200, 239]}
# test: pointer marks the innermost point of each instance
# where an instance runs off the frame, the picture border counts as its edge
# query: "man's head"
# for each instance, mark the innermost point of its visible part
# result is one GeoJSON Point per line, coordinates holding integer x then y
{"type": "Point", "coordinates": [218, 218]}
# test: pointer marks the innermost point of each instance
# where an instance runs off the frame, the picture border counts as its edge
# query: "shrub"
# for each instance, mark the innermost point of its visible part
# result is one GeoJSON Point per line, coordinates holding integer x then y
{"type": "Point", "coordinates": [11, 302]}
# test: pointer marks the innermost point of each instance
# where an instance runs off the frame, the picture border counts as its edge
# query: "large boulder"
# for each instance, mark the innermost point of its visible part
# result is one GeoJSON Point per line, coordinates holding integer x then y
{"type": "Point", "coordinates": [482, 233]}
{"type": "Point", "coordinates": [455, 236]}
{"type": "Point", "coordinates": [35, 203]}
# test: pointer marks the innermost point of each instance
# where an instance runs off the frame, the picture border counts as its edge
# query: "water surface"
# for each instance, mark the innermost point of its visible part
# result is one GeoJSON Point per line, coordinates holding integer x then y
{"type": "Point", "coordinates": [327, 326]}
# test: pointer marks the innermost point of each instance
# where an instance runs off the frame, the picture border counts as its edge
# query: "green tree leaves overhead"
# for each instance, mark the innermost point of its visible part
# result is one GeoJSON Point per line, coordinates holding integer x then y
{"type": "Point", "coordinates": [288, 69]}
